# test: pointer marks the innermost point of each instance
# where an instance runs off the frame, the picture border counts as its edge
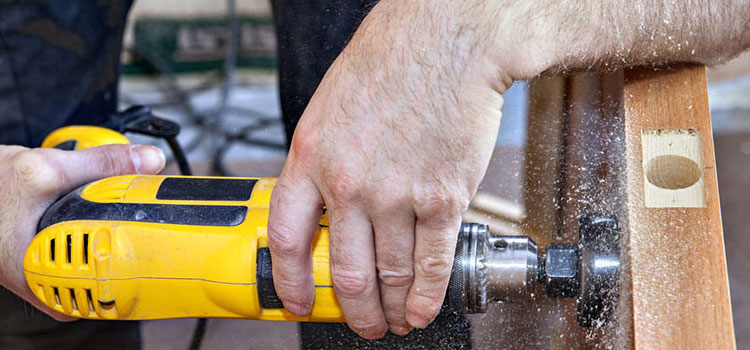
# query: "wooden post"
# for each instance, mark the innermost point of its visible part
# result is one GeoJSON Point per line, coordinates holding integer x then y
{"type": "Point", "coordinates": [636, 144]}
{"type": "Point", "coordinates": [680, 289]}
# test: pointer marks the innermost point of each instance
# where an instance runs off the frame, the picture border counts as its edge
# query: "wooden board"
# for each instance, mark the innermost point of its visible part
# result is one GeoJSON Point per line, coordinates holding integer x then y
{"type": "Point", "coordinates": [680, 290]}
{"type": "Point", "coordinates": [635, 144]}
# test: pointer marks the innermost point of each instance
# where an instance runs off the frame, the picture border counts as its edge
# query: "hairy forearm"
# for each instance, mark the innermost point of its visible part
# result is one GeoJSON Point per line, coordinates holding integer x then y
{"type": "Point", "coordinates": [525, 38]}
{"type": "Point", "coordinates": [654, 32]}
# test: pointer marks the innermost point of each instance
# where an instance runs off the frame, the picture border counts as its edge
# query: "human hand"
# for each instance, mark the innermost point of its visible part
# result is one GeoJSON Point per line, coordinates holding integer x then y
{"type": "Point", "coordinates": [394, 143]}
{"type": "Point", "coordinates": [32, 179]}
{"type": "Point", "coordinates": [399, 133]}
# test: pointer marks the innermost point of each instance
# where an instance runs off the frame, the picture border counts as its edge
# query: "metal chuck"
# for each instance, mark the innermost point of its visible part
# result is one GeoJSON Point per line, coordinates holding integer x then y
{"type": "Point", "coordinates": [504, 268]}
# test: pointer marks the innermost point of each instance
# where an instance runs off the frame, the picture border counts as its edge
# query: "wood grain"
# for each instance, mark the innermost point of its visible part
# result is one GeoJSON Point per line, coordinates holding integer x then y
{"type": "Point", "coordinates": [680, 291]}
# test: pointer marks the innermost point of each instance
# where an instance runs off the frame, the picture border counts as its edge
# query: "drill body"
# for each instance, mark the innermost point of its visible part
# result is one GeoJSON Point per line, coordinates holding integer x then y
{"type": "Point", "coordinates": [150, 247]}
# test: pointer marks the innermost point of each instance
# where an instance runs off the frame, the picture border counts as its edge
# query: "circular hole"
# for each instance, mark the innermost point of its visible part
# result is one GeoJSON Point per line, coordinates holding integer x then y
{"type": "Point", "coordinates": [672, 172]}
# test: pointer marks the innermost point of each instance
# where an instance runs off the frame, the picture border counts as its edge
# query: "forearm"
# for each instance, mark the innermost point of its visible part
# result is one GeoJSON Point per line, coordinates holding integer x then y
{"type": "Point", "coordinates": [654, 32]}
{"type": "Point", "coordinates": [525, 38]}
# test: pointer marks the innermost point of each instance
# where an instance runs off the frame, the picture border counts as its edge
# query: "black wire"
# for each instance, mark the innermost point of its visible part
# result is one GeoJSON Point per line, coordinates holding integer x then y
{"type": "Point", "coordinates": [179, 156]}
{"type": "Point", "coordinates": [200, 330]}
{"type": "Point", "coordinates": [209, 122]}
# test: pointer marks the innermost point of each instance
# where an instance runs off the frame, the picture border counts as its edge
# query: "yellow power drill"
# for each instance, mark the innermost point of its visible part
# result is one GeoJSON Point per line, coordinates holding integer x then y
{"type": "Point", "coordinates": [141, 247]}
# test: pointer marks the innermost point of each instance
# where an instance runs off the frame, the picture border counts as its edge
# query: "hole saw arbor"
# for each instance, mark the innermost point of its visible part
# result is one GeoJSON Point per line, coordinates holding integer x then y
{"type": "Point", "coordinates": [636, 144]}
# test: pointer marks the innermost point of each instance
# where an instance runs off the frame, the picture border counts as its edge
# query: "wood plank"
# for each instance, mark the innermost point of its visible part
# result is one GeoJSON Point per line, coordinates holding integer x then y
{"type": "Point", "coordinates": [593, 179]}
{"type": "Point", "coordinates": [545, 322]}
{"type": "Point", "coordinates": [573, 167]}
{"type": "Point", "coordinates": [680, 293]}
{"type": "Point", "coordinates": [543, 156]}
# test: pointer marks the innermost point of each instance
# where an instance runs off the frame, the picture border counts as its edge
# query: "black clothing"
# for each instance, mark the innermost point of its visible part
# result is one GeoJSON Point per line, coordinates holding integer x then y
{"type": "Point", "coordinates": [310, 35]}
{"type": "Point", "coordinates": [59, 65]}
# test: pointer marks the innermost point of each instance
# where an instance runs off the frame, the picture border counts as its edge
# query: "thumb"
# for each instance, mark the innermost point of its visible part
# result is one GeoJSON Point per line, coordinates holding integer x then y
{"type": "Point", "coordinates": [80, 167]}
{"type": "Point", "coordinates": [38, 176]}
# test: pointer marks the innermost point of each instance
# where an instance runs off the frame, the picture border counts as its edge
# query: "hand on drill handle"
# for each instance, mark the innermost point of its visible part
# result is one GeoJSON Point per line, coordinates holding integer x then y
{"type": "Point", "coordinates": [399, 133]}
{"type": "Point", "coordinates": [34, 178]}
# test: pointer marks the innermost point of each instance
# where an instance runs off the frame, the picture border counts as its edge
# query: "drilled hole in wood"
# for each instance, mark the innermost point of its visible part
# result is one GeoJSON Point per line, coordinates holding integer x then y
{"type": "Point", "coordinates": [672, 172]}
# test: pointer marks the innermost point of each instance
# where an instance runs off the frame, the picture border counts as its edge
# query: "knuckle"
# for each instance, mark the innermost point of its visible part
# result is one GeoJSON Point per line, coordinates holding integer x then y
{"type": "Point", "coordinates": [304, 145]}
{"type": "Point", "coordinates": [434, 269]}
{"type": "Point", "coordinates": [396, 278]}
{"type": "Point", "coordinates": [437, 202]}
{"type": "Point", "coordinates": [344, 186]}
{"type": "Point", "coordinates": [36, 174]}
{"type": "Point", "coordinates": [349, 283]}
{"type": "Point", "coordinates": [114, 161]}
{"type": "Point", "coordinates": [282, 240]}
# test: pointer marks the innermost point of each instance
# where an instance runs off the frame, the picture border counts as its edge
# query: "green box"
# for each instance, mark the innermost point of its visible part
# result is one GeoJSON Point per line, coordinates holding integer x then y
{"type": "Point", "coordinates": [200, 44]}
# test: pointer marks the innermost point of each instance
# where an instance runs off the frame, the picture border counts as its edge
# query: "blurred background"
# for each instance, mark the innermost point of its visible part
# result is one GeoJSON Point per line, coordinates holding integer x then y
{"type": "Point", "coordinates": [210, 66]}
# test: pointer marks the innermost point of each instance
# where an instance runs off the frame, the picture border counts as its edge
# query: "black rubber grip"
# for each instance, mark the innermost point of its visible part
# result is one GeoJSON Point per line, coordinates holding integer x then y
{"type": "Point", "coordinates": [201, 189]}
{"type": "Point", "coordinates": [264, 277]}
{"type": "Point", "coordinates": [74, 207]}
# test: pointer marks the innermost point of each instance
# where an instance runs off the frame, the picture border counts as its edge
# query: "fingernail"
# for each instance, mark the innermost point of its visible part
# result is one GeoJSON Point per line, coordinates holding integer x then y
{"type": "Point", "coordinates": [399, 330]}
{"type": "Point", "coordinates": [417, 321]}
{"type": "Point", "coordinates": [296, 308]}
{"type": "Point", "coordinates": [372, 334]}
{"type": "Point", "coordinates": [147, 159]}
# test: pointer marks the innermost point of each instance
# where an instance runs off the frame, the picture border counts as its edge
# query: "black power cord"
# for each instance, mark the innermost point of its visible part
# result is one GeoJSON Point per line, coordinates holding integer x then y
{"type": "Point", "coordinates": [210, 122]}
{"type": "Point", "coordinates": [140, 120]}
{"type": "Point", "coordinates": [179, 156]}
{"type": "Point", "coordinates": [198, 333]}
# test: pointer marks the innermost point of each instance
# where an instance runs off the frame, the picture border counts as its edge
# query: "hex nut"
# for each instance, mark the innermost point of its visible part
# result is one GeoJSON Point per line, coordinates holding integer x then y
{"type": "Point", "coordinates": [561, 270]}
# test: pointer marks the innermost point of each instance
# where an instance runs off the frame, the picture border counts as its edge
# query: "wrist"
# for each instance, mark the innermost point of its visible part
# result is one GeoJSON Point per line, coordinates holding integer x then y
{"type": "Point", "coordinates": [436, 41]}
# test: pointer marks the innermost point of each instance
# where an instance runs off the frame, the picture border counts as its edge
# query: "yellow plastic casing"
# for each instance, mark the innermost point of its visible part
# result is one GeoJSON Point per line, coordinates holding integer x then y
{"type": "Point", "coordinates": [83, 136]}
{"type": "Point", "coordinates": [147, 267]}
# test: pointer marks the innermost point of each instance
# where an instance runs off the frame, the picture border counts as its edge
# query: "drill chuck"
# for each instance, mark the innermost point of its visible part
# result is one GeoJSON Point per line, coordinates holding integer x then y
{"type": "Point", "coordinates": [505, 268]}
{"type": "Point", "coordinates": [489, 269]}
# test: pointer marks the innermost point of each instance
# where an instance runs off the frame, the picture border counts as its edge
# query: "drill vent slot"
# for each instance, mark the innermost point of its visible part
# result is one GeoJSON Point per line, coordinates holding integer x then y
{"type": "Point", "coordinates": [57, 295]}
{"type": "Point", "coordinates": [73, 300]}
{"type": "Point", "coordinates": [90, 300]}
{"type": "Point", "coordinates": [68, 248]}
{"type": "Point", "coordinates": [52, 250]}
{"type": "Point", "coordinates": [85, 248]}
